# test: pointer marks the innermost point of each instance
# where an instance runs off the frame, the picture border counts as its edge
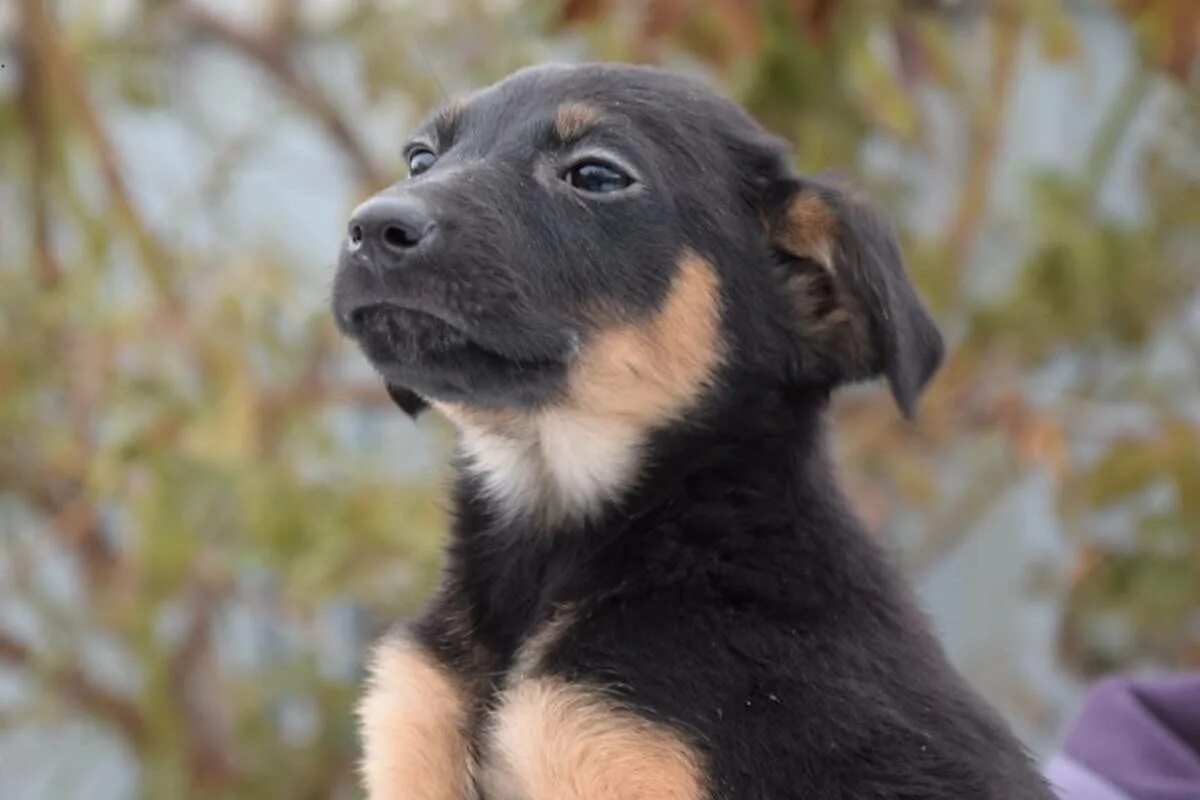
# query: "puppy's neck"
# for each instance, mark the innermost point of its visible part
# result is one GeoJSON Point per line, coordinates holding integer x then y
{"type": "Point", "coordinates": [561, 468]}
{"type": "Point", "coordinates": [550, 468]}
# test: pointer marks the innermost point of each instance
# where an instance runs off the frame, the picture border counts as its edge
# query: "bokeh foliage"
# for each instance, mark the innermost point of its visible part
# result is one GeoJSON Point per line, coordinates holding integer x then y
{"type": "Point", "coordinates": [169, 429]}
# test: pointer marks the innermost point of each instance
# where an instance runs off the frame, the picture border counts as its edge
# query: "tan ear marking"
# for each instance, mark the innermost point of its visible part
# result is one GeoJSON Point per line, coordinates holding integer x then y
{"type": "Point", "coordinates": [573, 120]}
{"type": "Point", "coordinates": [554, 741]}
{"type": "Point", "coordinates": [411, 721]}
{"type": "Point", "coordinates": [809, 229]}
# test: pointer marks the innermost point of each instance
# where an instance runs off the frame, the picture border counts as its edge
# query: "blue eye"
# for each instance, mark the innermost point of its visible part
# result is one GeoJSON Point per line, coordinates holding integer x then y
{"type": "Point", "coordinates": [597, 177]}
{"type": "Point", "coordinates": [420, 159]}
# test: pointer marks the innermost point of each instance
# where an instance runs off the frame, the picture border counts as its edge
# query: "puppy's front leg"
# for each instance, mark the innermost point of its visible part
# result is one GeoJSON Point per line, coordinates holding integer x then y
{"type": "Point", "coordinates": [551, 740]}
{"type": "Point", "coordinates": [413, 721]}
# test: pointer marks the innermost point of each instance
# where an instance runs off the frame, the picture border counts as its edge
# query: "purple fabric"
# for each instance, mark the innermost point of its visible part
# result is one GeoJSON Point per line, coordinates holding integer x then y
{"type": "Point", "coordinates": [1073, 781]}
{"type": "Point", "coordinates": [1140, 737]}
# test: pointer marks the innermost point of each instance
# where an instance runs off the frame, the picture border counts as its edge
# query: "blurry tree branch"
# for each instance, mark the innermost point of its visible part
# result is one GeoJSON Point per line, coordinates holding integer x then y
{"type": "Point", "coordinates": [1112, 130]}
{"type": "Point", "coordinates": [984, 125]}
{"type": "Point", "coordinates": [205, 720]}
{"type": "Point", "coordinates": [32, 103]}
{"type": "Point", "coordinates": [71, 681]}
{"type": "Point", "coordinates": [53, 58]}
{"type": "Point", "coordinates": [69, 513]}
{"type": "Point", "coordinates": [272, 53]}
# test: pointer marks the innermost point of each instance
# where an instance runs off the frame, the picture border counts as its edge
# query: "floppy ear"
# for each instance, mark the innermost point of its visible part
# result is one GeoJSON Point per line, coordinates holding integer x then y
{"type": "Point", "coordinates": [409, 401]}
{"type": "Point", "coordinates": [851, 300]}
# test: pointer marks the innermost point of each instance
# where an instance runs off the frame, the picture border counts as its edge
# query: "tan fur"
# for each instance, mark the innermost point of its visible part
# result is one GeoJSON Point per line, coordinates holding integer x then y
{"type": "Point", "coordinates": [824, 311]}
{"type": "Point", "coordinates": [552, 741]}
{"type": "Point", "coordinates": [809, 229]}
{"type": "Point", "coordinates": [411, 721]}
{"type": "Point", "coordinates": [535, 647]}
{"type": "Point", "coordinates": [651, 371]}
{"type": "Point", "coordinates": [572, 120]}
{"type": "Point", "coordinates": [449, 114]}
{"type": "Point", "coordinates": [633, 377]}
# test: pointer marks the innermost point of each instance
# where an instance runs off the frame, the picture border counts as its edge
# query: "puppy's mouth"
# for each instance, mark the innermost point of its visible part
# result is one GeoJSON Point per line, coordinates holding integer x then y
{"type": "Point", "coordinates": [440, 358]}
{"type": "Point", "coordinates": [393, 332]}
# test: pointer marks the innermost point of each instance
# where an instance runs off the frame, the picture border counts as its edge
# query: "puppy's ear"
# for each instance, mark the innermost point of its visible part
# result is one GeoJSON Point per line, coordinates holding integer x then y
{"type": "Point", "coordinates": [853, 306]}
{"type": "Point", "coordinates": [409, 401]}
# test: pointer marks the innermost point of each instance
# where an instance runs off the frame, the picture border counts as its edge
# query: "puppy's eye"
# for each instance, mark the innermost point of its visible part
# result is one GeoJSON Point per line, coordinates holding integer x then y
{"type": "Point", "coordinates": [599, 177]}
{"type": "Point", "coordinates": [420, 159]}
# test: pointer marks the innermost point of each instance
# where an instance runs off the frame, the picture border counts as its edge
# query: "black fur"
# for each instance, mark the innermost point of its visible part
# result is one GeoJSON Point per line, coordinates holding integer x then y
{"type": "Point", "coordinates": [730, 592]}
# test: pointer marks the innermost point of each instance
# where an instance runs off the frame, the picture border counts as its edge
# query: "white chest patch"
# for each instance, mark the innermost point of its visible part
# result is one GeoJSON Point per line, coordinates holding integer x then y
{"type": "Point", "coordinates": [559, 466]}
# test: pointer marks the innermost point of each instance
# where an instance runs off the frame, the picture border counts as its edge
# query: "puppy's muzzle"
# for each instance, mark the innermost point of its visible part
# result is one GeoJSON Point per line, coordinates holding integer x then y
{"type": "Point", "coordinates": [423, 287]}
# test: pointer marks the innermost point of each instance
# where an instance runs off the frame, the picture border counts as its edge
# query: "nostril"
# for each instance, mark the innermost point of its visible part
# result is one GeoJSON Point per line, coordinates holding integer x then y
{"type": "Point", "coordinates": [399, 238]}
{"type": "Point", "coordinates": [387, 225]}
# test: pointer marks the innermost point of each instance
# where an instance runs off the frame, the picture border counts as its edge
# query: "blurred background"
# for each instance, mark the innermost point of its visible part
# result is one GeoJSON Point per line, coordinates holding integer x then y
{"type": "Point", "coordinates": [208, 506]}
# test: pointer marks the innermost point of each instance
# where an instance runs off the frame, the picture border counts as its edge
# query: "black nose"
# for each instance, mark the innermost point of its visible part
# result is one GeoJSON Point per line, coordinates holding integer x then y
{"type": "Point", "coordinates": [392, 225]}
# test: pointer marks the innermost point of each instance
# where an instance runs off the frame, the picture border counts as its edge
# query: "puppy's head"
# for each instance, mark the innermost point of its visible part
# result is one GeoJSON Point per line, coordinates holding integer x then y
{"type": "Point", "coordinates": [610, 243]}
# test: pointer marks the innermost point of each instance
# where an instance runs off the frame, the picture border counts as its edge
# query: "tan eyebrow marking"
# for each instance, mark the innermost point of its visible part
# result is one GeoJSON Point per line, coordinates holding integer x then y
{"type": "Point", "coordinates": [447, 118]}
{"type": "Point", "coordinates": [573, 120]}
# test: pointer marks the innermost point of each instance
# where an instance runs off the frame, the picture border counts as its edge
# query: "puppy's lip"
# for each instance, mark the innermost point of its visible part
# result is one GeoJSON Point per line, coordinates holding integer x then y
{"type": "Point", "coordinates": [357, 316]}
{"type": "Point", "coordinates": [458, 339]}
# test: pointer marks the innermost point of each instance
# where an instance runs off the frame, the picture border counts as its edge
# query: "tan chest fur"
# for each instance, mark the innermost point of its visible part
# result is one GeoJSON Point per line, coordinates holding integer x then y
{"type": "Point", "coordinates": [545, 740]}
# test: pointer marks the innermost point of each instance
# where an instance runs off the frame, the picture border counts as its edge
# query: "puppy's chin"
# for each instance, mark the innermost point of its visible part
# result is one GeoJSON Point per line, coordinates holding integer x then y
{"type": "Point", "coordinates": [510, 387]}
{"type": "Point", "coordinates": [419, 366]}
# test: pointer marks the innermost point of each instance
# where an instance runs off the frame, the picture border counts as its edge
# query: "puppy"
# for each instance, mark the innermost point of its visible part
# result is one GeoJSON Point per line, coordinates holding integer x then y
{"type": "Point", "coordinates": [634, 311]}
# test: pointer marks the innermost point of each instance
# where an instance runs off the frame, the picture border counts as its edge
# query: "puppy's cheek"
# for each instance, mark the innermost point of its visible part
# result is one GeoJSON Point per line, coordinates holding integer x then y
{"type": "Point", "coordinates": [569, 457]}
{"type": "Point", "coordinates": [657, 369]}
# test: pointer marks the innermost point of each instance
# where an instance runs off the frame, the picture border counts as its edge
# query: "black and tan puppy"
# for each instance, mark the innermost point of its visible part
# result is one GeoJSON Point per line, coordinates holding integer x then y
{"type": "Point", "coordinates": [634, 311]}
